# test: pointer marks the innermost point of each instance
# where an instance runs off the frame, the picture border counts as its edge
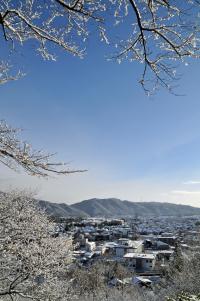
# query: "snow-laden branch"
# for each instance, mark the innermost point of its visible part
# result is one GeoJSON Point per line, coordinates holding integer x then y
{"type": "Point", "coordinates": [15, 153]}
{"type": "Point", "coordinates": [160, 34]}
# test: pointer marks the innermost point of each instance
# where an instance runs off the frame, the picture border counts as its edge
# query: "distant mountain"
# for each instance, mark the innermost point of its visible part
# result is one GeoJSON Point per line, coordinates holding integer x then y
{"type": "Point", "coordinates": [112, 207]}
{"type": "Point", "coordinates": [61, 210]}
{"type": "Point", "coordinates": [102, 207]}
{"type": "Point", "coordinates": [116, 207]}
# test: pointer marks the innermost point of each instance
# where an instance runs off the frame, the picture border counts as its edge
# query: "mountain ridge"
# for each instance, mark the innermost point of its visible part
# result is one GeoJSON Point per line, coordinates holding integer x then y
{"type": "Point", "coordinates": [113, 207]}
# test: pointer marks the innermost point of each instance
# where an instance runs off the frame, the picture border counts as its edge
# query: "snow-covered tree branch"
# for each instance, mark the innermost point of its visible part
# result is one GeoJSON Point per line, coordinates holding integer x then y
{"type": "Point", "coordinates": [5, 75]}
{"type": "Point", "coordinates": [15, 153]}
{"type": "Point", "coordinates": [160, 34]}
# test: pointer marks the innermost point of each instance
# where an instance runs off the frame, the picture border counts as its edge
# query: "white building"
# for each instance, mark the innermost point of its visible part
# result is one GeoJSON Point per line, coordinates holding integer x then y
{"type": "Point", "coordinates": [140, 261]}
{"type": "Point", "coordinates": [123, 247]}
{"type": "Point", "coordinates": [90, 246]}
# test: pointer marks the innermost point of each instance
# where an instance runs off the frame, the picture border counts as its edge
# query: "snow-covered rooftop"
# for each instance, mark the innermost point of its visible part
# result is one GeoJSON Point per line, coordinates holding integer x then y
{"type": "Point", "coordinates": [139, 255]}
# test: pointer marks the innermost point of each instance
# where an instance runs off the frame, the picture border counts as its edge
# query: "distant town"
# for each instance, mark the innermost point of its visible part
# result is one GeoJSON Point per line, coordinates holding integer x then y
{"type": "Point", "coordinates": [144, 246]}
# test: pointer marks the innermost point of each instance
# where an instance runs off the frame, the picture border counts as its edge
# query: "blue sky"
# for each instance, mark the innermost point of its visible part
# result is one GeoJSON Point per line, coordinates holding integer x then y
{"type": "Point", "coordinates": [94, 114]}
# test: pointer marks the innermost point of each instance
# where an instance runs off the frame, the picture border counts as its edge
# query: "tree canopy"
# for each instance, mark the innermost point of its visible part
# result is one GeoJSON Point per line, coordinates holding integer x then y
{"type": "Point", "coordinates": [32, 261]}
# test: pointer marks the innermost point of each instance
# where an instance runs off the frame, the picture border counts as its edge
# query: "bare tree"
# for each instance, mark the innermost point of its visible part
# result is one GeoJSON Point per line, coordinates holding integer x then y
{"type": "Point", "coordinates": [157, 33]}
{"type": "Point", "coordinates": [180, 279]}
{"type": "Point", "coordinates": [89, 281]}
{"type": "Point", "coordinates": [92, 282]}
{"type": "Point", "coordinates": [32, 261]}
{"type": "Point", "coordinates": [184, 297]}
{"type": "Point", "coordinates": [116, 294]}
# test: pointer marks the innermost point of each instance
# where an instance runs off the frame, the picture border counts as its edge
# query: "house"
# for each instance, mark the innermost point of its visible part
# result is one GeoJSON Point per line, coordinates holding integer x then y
{"type": "Point", "coordinates": [122, 247]}
{"type": "Point", "coordinates": [140, 261]}
{"type": "Point", "coordinates": [109, 249]}
{"type": "Point", "coordinates": [90, 246]}
{"type": "Point", "coordinates": [122, 231]}
{"type": "Point", "coordinates": [170, 240]}
{"type": "Point", "coordinates": [146, 281]}
{"type": "Point", "coordinates": [101, 235]}
{"type": "Point", "coordinates": [136, 245]}
{"type": "Point", "coordinates": [164, 255]}
{"type": "Point", "coordinates": [160, 245]}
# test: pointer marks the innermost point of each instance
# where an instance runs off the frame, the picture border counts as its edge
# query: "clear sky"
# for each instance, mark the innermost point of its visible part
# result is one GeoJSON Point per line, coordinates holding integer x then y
{"type": "Point", "coordinates": [94, 114]}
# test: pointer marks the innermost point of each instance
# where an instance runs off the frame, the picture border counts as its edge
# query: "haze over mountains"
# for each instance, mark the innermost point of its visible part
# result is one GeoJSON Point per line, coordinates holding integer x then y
{"type": "Point", "coordinates": [113, 207]}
